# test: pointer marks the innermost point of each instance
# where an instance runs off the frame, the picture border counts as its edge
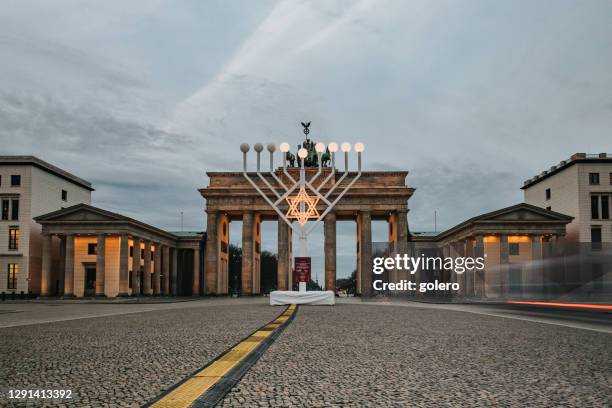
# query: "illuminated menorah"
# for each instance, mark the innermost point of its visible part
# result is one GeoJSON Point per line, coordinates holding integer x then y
{"type": "Point", "coordinates": [303, 205]}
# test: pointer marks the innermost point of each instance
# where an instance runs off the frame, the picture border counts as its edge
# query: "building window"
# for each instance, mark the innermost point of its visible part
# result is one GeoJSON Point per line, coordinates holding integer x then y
{"type": "Point", "coordinates": [64, 195]}
{"type": "Point", "coordinates": [1, 179]}
{"type": "Point", "coordinates": [92, 249]}
{"type": "Point", "coordinates": [596, 237]}
{"type": "Point", "coordinates": [594, 207]}
{"type": "Point", "coordinates": [593, 179]}
{"type": "Point", "coordinates": [549, 208]}
{"type": "Point", "coordinates": [548, 193]}
{"type": "Point", "coordinates": [130, 279]}
{"type": "Point", "coordinates": [142, 253]}
{"type": "Point", "coordinates": [12, 276]}
{"type": "Point", "coordinates": [14, 209]}
{"type": "Point", "coordinates": [13, 238]}
{"type": "Point", "coordinates": [611, 179]}
{"type": "Point", "coordinates": [15, 180]}
{"type": "Point", "coordinates": [513, 248]}
{"type": "Point", "coordinates": [132, 251]}
{"type": "Point", "coordinates": [5, 209]}
{"type": "Point", "coordinates": [605, 207]}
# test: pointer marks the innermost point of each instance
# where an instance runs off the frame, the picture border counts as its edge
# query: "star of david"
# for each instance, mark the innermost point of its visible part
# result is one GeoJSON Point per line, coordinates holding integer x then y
{"type": "Point", "coordinates": [310, 207]}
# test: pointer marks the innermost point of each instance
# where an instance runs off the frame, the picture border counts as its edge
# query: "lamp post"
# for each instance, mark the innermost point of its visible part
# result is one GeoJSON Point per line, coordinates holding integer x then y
{"type": "Point", "coordinates": [302, 206]}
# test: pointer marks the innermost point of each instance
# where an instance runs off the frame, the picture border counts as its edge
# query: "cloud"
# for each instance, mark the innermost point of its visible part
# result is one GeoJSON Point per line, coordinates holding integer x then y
{"type": "Point", "coordinates": [144, 98]}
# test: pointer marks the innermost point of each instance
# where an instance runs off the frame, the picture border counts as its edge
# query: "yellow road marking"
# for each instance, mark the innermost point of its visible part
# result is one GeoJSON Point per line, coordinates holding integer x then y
{"type": "Point", "coordinates": [217, 369]}
{"type": "Point", "coordinates": [186, 393]}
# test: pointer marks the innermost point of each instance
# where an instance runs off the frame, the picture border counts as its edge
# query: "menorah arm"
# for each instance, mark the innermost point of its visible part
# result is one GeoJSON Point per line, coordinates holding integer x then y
{"type": "Point", "coordinates": [284, 196]}
{"type": "Point", "coordinates": [274, 207]}
{"type": "Point", "coordinates": [331, 190]}
{"type": "Point", "coordinates": [287, 173]}
{"type": "Point", "coordinates": [267, 184]}
{"type": "Point", "coordinates": [278, 180]}
{"type": "Point", "coordinates": [314, 190]}
{"type": "Point", "coordinates": [333, 204]}
{"type": "Point", "coordinates": [327, 179]}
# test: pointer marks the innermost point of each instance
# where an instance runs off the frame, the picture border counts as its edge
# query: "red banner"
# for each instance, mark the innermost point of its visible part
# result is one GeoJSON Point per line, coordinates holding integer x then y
{"type": "Point", "coordinates": [302, 269]}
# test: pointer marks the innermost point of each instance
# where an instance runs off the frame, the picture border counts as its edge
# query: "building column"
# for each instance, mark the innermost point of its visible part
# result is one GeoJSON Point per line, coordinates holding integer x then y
{"type": "Point", "coordinates": [246, 276]}
{"type": "Point", "coordinates": [401, 236]}
{"type": "Point", "coordinates": [124, 258]}
{"type": "Point", "coordinates": [329, 228]}
{"type": "Point", "coordinates": [462, 277]}
{"type": "Point", "coordinates": [100, 264]}
{"type": "Point", "coordinates": [195, 288]}
{"type": "Point", "coordinates": [453, 253]}
{"type": "Point", "coordinates": [69, 267]}
{"type": "Point", "coordinates": [503, 265]}
{"type": "Point", "coordinates": [157, 269]}
{"type": "Point", "coordinates": [365, 220]}
{"type": "Point", "coordinates": [174, 271]}
{"type": "Point", "coordinates": [166, 269]}
{"type": "Point", "coordinates": [446, 278]}
{"type": "Point", "coordinates": [136, 269]}
{"type": "Point", "coordinates": [222, 254]}
{"type": "Point", "coordinates": [256, 254]}
{"type": "Point", "coordinates": [45, 276]}
{"type": "Point", "coordinates": [282, 268]}
{"type": "Point", "coordinates": [536, 273]}
{"type": "Point", "coordinates": [469, 273]}
{"type": "Point", "coordinates": [146, 269]}
{"type": "Point", "coordinates": [211, 253]}
{"type": "Point", "coordinates": [479, 278]}
{"type": "Point", "coordinates": [62, 265]}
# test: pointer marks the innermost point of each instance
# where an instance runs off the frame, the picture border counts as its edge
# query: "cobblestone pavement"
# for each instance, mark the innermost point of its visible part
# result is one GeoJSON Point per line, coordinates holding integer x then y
{"type": "Point", "coordinates": [124, 360]}
{"type": "Point", "coordinates": [364, 355]}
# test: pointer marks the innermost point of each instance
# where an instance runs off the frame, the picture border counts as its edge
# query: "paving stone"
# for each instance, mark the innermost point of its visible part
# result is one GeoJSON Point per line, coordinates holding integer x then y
{"type": "Point", "coordinates": [373, 356]}
{"type": "Point", "coordinates": [125, 359]}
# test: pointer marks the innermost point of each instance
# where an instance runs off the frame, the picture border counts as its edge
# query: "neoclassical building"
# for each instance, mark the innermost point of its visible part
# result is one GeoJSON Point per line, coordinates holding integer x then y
{"type": "Point", "coordinates": [88, 251]}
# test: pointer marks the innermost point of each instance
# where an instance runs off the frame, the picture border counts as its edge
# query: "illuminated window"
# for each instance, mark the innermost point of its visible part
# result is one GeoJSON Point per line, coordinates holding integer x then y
{"type": "Point", "coordinates": [12, 276]}
{"type": "Point", "coordinates": [92, 249]}
{"type": "Point", "coordinates": [13, 238]}
{"type": "Point", "coordinates": [513, 248]}
{"type": "Point", "coordinates": [15, 180]}
{"type": "Point", "coordinates": [593, 179]}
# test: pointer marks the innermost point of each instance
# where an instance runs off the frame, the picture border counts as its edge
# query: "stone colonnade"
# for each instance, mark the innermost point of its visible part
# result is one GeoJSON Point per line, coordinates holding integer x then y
{"type": "Point", "coordinates": [507, 273]}
{"type": "Point", "coordinates": [124, 264]}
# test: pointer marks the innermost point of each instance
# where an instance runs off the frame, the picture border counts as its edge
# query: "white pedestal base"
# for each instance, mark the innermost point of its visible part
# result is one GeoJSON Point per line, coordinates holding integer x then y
{"type": "Point", "coordinates": [312, 297]}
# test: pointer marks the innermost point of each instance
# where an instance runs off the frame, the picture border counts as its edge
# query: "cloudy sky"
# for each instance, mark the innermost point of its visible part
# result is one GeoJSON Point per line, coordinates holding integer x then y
{"type": "Point", "coordinates": [142, 97]}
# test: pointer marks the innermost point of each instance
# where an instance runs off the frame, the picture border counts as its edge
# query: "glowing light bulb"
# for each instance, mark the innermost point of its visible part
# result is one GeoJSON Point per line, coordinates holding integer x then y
{"type": "Point", "coordinates": [284, 147]}
{"type": "Point", "coordinates": [302, 153]}
{"type": "Point", "coordinates": [333, 147]}
{"type": "Point", "coordinates": [320, 147]}
{"type": "Point", "coordinates": [346, 147]}
{"type": "Point", "coordinates": [359, 147]}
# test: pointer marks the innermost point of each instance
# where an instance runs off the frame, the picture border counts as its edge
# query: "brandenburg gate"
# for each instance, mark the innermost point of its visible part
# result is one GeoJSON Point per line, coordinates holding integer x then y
{"type": "Point", "coordinates": [376, 195]}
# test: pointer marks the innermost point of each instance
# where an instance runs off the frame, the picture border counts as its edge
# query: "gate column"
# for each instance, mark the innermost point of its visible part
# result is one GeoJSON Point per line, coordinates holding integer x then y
{"type": "Point", "coordinates": [329, 226]}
